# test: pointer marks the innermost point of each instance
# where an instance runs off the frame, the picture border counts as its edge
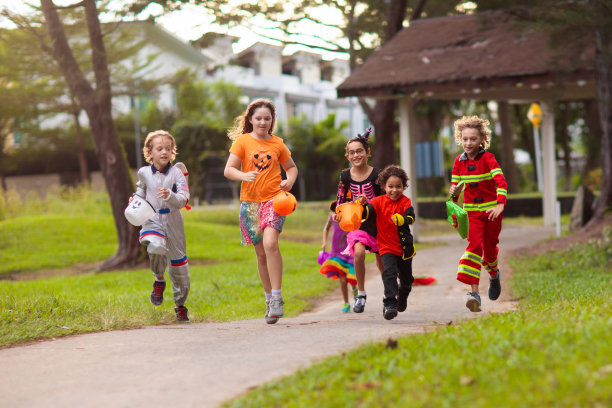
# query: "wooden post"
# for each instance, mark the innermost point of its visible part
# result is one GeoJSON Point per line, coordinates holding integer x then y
{"type": "Point", "coordinates": [407, 158]}
{"type": "Point", "coordinates": [549, 173]}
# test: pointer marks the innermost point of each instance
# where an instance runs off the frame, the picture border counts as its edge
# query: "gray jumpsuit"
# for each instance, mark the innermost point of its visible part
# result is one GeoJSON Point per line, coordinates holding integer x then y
{"type": "Point", "coordinates": [164, 233]}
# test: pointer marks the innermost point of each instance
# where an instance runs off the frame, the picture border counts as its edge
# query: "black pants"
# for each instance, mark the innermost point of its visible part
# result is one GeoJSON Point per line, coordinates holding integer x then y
{"type": "Point", "coordinates": [396, 267]}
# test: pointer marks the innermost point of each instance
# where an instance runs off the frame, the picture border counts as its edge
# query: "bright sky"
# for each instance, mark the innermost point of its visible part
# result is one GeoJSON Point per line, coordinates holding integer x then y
{"type": "Point", "coordinates": [188, 24]}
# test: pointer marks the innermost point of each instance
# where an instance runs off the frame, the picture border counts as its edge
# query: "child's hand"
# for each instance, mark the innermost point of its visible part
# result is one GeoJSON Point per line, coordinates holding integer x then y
{"type": "Point", "coordinates": [361, 200]}
{"type": "Point", "coordinates": [452, 190]}
{"type": "Point", "coordinates": [496, 211]}
{"type": "Point", "coordinates": [250, 176]}
{"type": "Point", "coordinates": [398, 219]}
{"type": "Point", "coordinates": [131, 198]}
{"type": "Point", "coordinates": [335, 217]}
{"type": "Point", "coordinates": [286, 185]}
{"type": "Point", "coordinates": [163, 192]}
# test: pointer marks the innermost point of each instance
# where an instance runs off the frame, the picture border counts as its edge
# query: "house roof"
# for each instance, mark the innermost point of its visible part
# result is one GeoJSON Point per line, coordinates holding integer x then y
{"type": "Point", "coordinates": [472, 56]}
{"type": "Point", "coordinates": [157, 34]}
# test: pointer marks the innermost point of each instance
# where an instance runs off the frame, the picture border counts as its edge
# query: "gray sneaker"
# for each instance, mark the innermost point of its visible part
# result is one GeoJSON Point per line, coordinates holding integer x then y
{"type": "Point", "coordinates": [359, 305]}
{"type": "Point", "coordinates": [276, 307]}
{"type": "Point", "coordinates": [267, 317]}
{"type": "Point", "coordinates": [494, 286]}
{"type": "Point", "coordinates": [473, 302]}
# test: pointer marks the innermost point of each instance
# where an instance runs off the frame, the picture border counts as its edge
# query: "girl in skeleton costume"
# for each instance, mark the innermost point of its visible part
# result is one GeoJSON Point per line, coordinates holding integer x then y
{"type": "Point", "coordinates": [360, 180]}
{"type": "Point", "coordinates": [255, 159]}
{"type": "Point", "coordinates": [165, 187]}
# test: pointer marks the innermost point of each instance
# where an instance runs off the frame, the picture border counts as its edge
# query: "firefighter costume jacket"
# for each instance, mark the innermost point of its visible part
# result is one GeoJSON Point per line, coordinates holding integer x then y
{"type": "Point", "coordinates": [484, 187]}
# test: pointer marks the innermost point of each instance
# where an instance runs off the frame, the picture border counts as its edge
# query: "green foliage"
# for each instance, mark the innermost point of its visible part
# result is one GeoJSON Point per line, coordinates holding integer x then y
{"type": "Point", "coordinates": [318, 151]}
{"type": "Point", "coordinates": [554, 351]}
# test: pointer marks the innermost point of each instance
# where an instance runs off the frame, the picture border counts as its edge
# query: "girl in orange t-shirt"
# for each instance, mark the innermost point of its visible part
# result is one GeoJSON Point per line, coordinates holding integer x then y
{"type": "Point", "coordinates": [255, 159]}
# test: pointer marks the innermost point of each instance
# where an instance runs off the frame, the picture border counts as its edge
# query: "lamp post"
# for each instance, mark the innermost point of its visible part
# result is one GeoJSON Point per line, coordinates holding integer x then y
{"type": "Point", "coordinates": [535, 117]}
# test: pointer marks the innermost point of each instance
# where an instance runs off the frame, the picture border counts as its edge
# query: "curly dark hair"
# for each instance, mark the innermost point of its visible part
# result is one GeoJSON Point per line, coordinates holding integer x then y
{"type": "Point", "coordinates": [392, 170]}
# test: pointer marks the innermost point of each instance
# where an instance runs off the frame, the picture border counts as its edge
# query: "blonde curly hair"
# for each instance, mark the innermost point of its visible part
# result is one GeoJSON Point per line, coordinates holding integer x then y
{"type": "Point", "coordinates": [148, 144]}
{"type": "Point", "coordinates": [473, 122]}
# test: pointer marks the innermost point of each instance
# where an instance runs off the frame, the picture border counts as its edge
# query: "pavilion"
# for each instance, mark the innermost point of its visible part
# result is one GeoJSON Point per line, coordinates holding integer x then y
{"type": "Point", "coordinates": [476, 57]}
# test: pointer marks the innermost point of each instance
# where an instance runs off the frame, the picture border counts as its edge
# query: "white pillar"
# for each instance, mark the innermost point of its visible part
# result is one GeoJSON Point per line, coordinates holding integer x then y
{"type": "Point", "coordinates": [549, 173]}
{"type": "Point", "coordinates": [407, 159]}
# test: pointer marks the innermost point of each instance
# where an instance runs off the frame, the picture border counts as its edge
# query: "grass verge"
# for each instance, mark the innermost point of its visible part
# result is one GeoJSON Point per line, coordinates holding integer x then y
{"type": "Point", "coordinates": [554, 351]}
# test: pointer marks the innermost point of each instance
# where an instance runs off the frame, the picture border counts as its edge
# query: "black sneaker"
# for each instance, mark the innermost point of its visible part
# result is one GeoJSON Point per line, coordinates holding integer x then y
{"type": "Point", "coordinates": [402, 300]}
{"type": "Point", "coordinates": [181, 314]}
{"type": "Point", "coordinates": [389, 312]}
{"type": "Point", "coordinates": [157, 296]}
{"type": "Point", "coordinates": [494, 286]}
{"type": "Point", "coordinates": [359, 305]}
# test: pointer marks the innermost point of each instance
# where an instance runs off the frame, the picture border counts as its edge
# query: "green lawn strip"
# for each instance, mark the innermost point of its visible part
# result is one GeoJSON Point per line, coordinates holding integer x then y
{"type": "Point", "coordinates": [54, 241]}
{"type": "Point", "coordinates": [227, 291]}
{"type": "Point", "coordinates": [554, 351]}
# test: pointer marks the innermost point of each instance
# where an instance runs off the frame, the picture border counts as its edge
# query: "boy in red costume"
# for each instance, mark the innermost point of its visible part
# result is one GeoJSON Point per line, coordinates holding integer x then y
{"type": "Point", "coordinates": [394, 214]}
{"type": "Point", "coordinates": [484, 199]}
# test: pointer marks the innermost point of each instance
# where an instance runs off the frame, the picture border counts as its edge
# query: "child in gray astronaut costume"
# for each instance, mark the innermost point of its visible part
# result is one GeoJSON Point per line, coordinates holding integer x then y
{"type": "Point", "coordinates": [165, 186]}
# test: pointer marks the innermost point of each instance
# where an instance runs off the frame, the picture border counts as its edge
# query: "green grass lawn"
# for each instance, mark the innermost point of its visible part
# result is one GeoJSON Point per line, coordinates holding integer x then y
{"type": "Point", "coordinates": [555, 351]}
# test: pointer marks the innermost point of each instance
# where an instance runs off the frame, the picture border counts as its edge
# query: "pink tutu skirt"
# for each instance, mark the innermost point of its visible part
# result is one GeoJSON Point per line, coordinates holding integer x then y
{"type": "Point", "coordinates": [360, 236]}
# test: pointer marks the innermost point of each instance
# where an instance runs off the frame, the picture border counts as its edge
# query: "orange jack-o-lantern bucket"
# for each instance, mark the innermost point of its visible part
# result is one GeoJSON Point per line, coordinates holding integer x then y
{"type": "Point", "coordinates": [284, 203]}
{"type": "Point", "coordinates": [349, 216]}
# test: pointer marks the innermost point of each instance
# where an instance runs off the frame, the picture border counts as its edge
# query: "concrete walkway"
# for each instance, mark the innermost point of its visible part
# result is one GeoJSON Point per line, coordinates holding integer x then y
{"type": "Point", "coordinates": [202, 365]}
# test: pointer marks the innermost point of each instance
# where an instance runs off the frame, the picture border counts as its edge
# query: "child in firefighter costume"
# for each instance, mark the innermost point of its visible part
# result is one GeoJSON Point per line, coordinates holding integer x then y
{"type": "Point", "coordinates": [165, 187]}
{"type": "Point", "coordinates": [484, 199]}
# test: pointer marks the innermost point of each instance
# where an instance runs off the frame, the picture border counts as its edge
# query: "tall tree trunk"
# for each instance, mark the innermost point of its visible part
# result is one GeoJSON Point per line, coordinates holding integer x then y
{"type": "Point", "coordinates": [82, 158]}
{"type": "Point", "coordinates": [603, 77]}
{"type": "Point", "coordinates": [592, 139]}
{"type": "Point", "coordinates": [97, 104]}
{"type": "Point", "coordinates": [563, 138]}
{"type": "Point", "coordinates": [507, 147]}
{"type": "Point", "coordinates": [382, 116]}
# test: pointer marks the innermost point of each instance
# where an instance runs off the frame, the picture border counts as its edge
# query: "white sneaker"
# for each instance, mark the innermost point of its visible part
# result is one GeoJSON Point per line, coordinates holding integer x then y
{"type": "Point", "coordinates": [267, 317]}
{"type": "Point", "coordinates": [276, 307]}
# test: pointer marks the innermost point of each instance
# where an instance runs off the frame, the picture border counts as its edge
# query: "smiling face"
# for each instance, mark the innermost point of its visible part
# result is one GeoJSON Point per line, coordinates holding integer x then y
{"type": "Point", "coordinates": [161, 151]}
{"type": "Point", "coordinates": [262, 122]}
{"type": "Point", "coordinates": [471, 140]}
{"type": "Point", "coordinates": [357, 154]}
{"type": "Point", "coordinates": [394, 188]}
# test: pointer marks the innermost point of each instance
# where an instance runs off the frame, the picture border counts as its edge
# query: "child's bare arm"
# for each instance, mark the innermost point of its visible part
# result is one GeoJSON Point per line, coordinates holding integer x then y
{"type": "Point", "coordinates": [326, 233]}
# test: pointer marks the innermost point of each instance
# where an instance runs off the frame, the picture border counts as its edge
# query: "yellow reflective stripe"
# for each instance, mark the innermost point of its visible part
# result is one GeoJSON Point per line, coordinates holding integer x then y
{"type": "Point", "coordinates": [472, 257]}
{"type": "Point", "coordinates": [469, 271]}
{"type": "Point", "coordinates": [479, 207]}
{"type": "Point", "coordinates": [502, 191]}
{"type": "Point", "coordinates": [491, 266]}
{"type": "Point", "coordinates": [495, 172]}
{"type": "Point", "coordinates": [477, 177]}
{"type": "Point", "coordinates": [413, 254]}
{"type": "Point", "coordinates": [455, 179]}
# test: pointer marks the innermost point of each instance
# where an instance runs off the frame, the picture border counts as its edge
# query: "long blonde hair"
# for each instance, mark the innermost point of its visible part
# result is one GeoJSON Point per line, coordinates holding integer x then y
{"type": "Point", "coordinates": [148, 144]}
{"type": "Point", "coordinates": [473, 122]}
{"type": "Point", "coordinates": [242, 124]}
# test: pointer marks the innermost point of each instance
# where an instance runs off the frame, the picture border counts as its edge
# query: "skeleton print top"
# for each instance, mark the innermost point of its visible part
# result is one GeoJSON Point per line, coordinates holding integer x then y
{"type": "Point", "coordinates": [349, 190]}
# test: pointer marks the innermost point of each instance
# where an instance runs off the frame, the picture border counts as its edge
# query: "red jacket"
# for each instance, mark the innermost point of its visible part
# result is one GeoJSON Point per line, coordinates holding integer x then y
{"type": "Point", "coordinates": [484, 182]}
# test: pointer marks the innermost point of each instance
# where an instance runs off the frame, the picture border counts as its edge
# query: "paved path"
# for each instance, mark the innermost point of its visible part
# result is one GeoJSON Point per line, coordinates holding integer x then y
{"type": "Point", "coordinates": [201, 365]}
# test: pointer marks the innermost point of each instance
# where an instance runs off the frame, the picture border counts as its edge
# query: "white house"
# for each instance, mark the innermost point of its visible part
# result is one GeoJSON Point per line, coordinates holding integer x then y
{"type": "Point", "coordinates": [301, 83]}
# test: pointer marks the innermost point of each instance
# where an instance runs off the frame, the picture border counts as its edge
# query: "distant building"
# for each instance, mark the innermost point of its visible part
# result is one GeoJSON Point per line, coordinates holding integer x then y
{"type": "Point", "coordinates": [301, 83]}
